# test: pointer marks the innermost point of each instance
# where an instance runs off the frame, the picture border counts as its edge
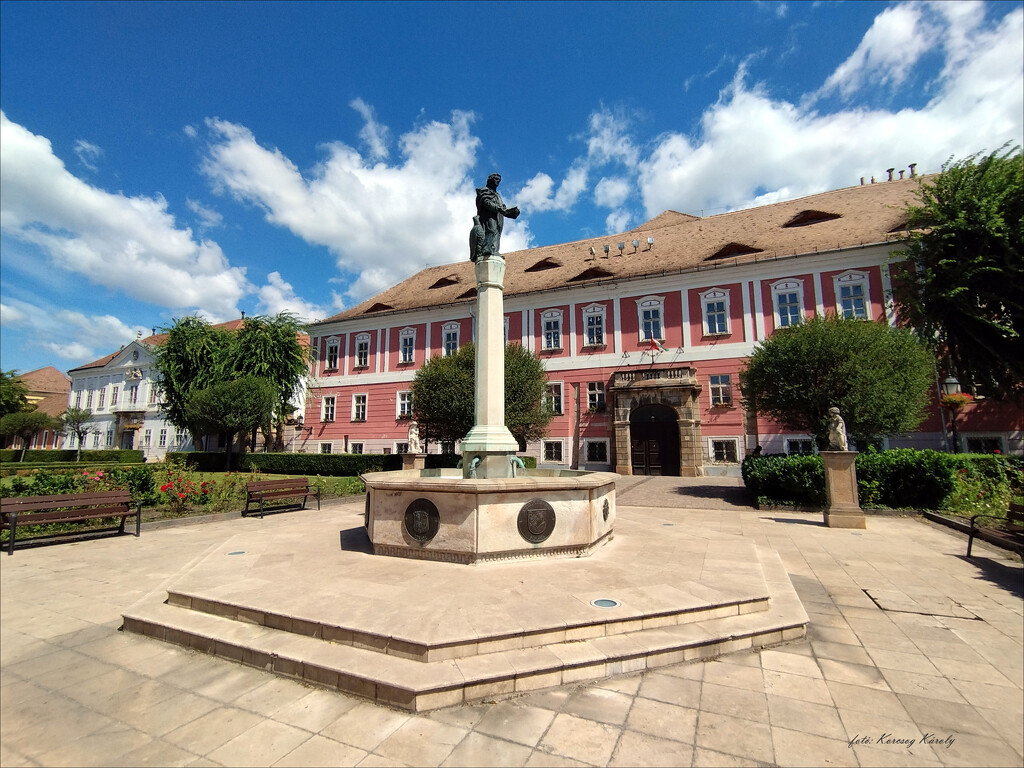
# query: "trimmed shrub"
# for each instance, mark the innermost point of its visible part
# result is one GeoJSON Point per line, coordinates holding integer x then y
{"type": "Point", "coordinates": [202, 461]}
{"type": "Point", "coordinates": [785, 479]}
{"type": "Point", "coordinates": [905, 478]}
{"type": "Point", "coordinates": [104, 455]}
{"type": "Point", "coordinates": [326, 464]}
{"type": "Point", "coordinates": [137, 479]}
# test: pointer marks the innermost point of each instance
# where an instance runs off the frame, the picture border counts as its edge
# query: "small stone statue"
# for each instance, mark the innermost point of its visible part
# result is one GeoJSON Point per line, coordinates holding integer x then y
{"type": "Point", "coordinates": [491, 214]}
{"type": "Point", "coordinates": [414, 438]}
{"type": "Point", "coordinates": [836, 431]}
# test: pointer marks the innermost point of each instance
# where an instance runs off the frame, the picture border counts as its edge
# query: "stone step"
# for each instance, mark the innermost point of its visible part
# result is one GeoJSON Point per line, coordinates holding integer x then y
{"type": "Point", "coordinates": [419, 685]}
{"type": "Point", "coordinates": [711, 605]}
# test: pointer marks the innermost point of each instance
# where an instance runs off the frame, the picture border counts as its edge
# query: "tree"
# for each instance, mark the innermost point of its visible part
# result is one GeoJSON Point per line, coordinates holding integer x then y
{"type": "Point", "coordinates": [443, 395]}
{"type": "Point", "coordinates": [963, 283]}
{"type": "Point", "coordinates": [268, 347]}
{"type": "Point", "coordinates": [76, 421]}
{"type": "Point", "coordinates": [25, 424]}
{"type": "Point", "coordinates": [192, 358]}
{"type": "Point", "coordinates": [13, 393]}
{"type": "Point", "coordinates": [879, 377]}
{"type": "Point", "coordinates": [231, 407]}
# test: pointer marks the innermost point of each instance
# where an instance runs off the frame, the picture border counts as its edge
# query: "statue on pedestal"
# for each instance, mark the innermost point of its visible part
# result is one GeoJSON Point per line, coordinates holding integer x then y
{"type": "Point", "coordinates": [485, 237]}
{"type": "Point", "coordinates": [414, 438]}
{"type": "Point", "coordinates": [836, 431]}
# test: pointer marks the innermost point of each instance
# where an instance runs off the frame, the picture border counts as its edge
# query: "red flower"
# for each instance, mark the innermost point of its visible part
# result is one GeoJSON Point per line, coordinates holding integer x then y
{"type": "Point", "coordinates": [165, 487]}
{"type": "Point", "coordinates": [181, 495]}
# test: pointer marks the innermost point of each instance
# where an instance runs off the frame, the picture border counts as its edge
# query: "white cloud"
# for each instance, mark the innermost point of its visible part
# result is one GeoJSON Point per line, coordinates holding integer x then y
{"type": "Point", "coordinates": [129, 244]}
{"type": "Point", "coordinates": [616, 222]}
{"type": "Point", "coordinates": [753, 149]}
{"type": "Point", "coordinates": [382, 222]}
{"type": "Point", "coordinates": [71, 336]}
{"type": "Point", "coordinates": [190, 131]}
{"type": "Point", "coordinates": [279, 296]}
{"type": "Point", "coordinates": [88, 153]}
{"type": "Point", "coordinates": [611, 193]}
{"type": "Point", "coordinates": [539, 193]}
{"type": "Point", "coordinates": [890, 48]}
{"type": "Point", "coordinates": [376, 136]}
{"type": "Point", "coordinates": [208, 218]}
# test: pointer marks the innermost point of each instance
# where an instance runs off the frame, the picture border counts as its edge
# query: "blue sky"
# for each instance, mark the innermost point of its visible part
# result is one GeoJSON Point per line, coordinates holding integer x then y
{"type": "Point", "coordinates": [165, 159]}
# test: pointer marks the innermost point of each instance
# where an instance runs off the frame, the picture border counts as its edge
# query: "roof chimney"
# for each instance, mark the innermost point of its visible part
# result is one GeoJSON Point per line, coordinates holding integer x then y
{"type": "Point", "coordinates": [889, 171]}
{"type": "Point", "coordinates": [154, 331]}
{"type": "Point", "coordinates": [913, 173]}
{"type": "Point", "coordinates": [243, 314]}
{"type": "Point", "coordinates": [901, 174]}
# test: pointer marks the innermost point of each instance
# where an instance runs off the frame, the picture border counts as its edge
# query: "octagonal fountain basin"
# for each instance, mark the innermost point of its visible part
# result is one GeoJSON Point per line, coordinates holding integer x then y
{"type": "Point", "coordinates": [436, 514]}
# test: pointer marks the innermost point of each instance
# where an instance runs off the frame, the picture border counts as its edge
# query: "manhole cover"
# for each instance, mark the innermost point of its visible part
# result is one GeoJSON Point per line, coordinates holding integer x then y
{"type": "Point", "coordinates": [605, 602]}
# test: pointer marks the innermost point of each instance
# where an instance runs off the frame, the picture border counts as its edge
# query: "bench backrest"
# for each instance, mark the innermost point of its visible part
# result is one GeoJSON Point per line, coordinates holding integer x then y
{"type": "Point", "coordinates": [1016, 514]}
{"type": "Point", "coordinates": [19, 504]}
{"type": "Point", "coordinates": [269, 485]}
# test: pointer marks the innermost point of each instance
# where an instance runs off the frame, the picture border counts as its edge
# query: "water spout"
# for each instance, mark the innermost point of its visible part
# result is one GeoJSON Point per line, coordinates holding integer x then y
{"type": "Point", "coordinates": [517, 463]}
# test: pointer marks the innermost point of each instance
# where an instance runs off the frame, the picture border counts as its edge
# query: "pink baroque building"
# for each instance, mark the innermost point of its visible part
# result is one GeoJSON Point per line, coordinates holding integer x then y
{"type": "Point", "coordinates": [643, 335]}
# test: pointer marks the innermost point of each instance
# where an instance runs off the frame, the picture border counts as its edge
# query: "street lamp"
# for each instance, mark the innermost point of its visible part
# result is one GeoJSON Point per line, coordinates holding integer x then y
{"type": "Point", "coordinates": [954, 399]}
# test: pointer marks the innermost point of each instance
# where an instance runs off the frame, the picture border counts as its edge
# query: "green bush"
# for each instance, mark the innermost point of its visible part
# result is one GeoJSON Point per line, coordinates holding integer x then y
{"type": "Point", "coordinates": [138, 480]}
{"type": "Point", "coordinates": [327, 464]}
{"type": "Point", "coordinates": [899, 479]}
{"type": "Point", "coordinates": [50, 456]}
{"type": "Point", "coordinates": [202, 461]}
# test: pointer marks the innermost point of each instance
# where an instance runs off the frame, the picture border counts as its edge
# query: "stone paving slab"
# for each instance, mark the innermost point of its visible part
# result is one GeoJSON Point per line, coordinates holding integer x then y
{"type": "Point", "coordinates": [67, 676]}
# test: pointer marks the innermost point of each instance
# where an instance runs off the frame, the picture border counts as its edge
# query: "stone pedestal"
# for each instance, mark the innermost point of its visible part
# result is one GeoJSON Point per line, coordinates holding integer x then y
{"type": "Point", "coordinates": [488, 449]}
{"type": "Point", "coordinates": [414, 460]}
{"type": "Point", "coordinates": [843, 508]}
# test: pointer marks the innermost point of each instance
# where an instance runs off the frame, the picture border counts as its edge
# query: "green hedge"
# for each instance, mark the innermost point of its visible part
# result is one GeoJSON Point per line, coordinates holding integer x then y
{"type": "Point", "coordinates": [6, 470]}
{"type": "Point", "coordinates": [50, 456]}
{"type": "Point", "coordinates": [201, 461]}
{"type": "Point", "coordinates": [900, 479]}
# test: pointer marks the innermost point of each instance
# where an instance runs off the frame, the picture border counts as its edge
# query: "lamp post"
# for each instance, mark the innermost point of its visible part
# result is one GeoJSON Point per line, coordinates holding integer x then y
{"type": "Point", "coordinates": [954, 399]}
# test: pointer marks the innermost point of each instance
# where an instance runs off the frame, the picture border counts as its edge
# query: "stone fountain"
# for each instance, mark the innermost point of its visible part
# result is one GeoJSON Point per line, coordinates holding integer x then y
{"type": "Point", "coordinates": [493, 508]}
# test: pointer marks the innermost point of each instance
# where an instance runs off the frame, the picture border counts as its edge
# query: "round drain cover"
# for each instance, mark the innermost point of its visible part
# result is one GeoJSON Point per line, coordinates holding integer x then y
{"type": "Point", "coordinates": [605, 602]}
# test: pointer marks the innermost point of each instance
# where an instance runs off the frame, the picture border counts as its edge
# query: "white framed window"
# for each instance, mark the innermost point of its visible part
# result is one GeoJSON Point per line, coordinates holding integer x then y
{"type": "Point", "coordinates": [801, 446]}
{"type": "Point", "coordinates": [163, 438]}
{"type": "Point", "coordinates": [852, 298]}
{"type": "Point", "coordinates": [132, 393]}
{"type": "Point", "coordinates": [593, 323]}
{"type": "Point", "coordinates": [78, 399]}
{"type": "Point", "coordinates": [553, 397]}
{"type": "Point", "coordinates": [110, 438]}
{"type": "Point", "coordinates": [404, 405]}
{"type": "Point", "coordinates": [595, 396]}
{"type": "Point", "coordinates": [147, 438]}
{"type": "Point", "coordinates": [715, 308]}
{"type": "Point", "coordinates": [154, 394]}
{"type": "Point", "coordinates": [101, 400]}
{"type": "Point", "coordinates": [551, 322]}
{"type": "Point", "coordinates": [333, 346]}
{"type": "Point", "coordinates": [596, 451]}
{"type": "Point", "coordinates": [725, 450]}
{"type": "Point", "coordinates": [720, 386]}
{"type": "Point", "coordinates": [363, 350]}
{"type": "Point", "coordinates": [650, 313]}
{"type": "Point", "coordinates": [327, 408]}
{"type": "Point", "coordinates": [553, 451]}
{"type": "Point", "coordinates": [450, 335]}
{"type": "Point", "coordinates": [787, 296]}
{"type": "Point", "coordinates": [355, 447]}
{"type": "Point", "coordinates": [407, 346]}
{"type": "Point", "coordinates": [95, 440]}
{"type": "Point", "coordinates": [359, 407]}
{"type": "Point", "coordinates": [326, 447]}
{"type": "Point", "coordinates": [113, 396]}
{"type": "Point", "coordinates": [401, 447]}
{"type": "Point", "coordinates": [88, 399]}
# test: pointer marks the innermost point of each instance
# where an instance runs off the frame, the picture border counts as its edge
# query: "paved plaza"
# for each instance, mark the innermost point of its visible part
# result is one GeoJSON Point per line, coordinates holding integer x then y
{"type": "Point", "coordinates": [913, 656]}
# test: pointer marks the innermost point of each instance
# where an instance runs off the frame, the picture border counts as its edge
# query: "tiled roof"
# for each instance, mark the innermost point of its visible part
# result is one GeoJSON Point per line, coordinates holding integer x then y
{"type": "Point", "coordinates": [46, 380]}
{"type": "Point", "coordinates": [53, 404]}
{"type": "Point", "coordinates": [843, 218]}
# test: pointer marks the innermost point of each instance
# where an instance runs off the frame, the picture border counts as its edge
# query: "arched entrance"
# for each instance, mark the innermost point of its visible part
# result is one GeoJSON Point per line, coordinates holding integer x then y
{"type": "Point", "coordinates": [654, 440]}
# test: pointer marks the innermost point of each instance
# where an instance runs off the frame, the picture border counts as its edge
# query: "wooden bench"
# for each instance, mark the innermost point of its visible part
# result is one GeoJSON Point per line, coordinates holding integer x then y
{"type": "Point", "coordinates": [261, 490]}
{"type": "Point", "coordinates": [67, 508]}
{"type": "Point", "coordinates": [1012, 535]}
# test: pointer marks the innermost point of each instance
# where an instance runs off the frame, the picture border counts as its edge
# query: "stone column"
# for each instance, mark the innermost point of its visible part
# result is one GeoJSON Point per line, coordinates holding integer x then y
{"type": "Point", "coordinates": [843, 508]}
{"type": "Point", "coordinates": [489, 440]}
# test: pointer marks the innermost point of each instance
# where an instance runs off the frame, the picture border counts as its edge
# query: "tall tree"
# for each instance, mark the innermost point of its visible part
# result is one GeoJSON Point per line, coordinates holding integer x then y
{"type": "Point", "coordinates": [443, 395]}
{"type": "Point", "coordinates": [77, 422]}
{"type": "Point", "coordinates": [269, 348]}
{"type": "Point", "coordinates": [193, 358]}
{"type": "Point", "coordinates": [13, 393]}
{"type": "Point", "coordinates": [963, 282]}
{"type": "Point", "coordinates": [880, 378]}
{"type": "Point", "coordinates": [25, 424]}
{"type": "Point", "coordinates": [231, 407]}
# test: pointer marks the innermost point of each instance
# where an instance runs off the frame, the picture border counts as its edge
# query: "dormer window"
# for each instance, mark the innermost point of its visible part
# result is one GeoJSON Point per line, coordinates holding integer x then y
{"type": "Point", "coordinates": [591, 274]}
{"type": "Point", "coordinates": [806, 218]}
{"type": "Point", "coordinates": [729, 250]}
{"type": "Point", "coordinates": [444, 282]}
{"type": "Point", "coordinates": [540, 266]}
{"type": "Point", "coordinates": [378, 307]}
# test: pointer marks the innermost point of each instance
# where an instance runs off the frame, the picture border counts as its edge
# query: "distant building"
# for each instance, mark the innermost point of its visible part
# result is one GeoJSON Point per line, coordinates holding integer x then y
{"type": "Point", "coordinates": [643, 335]}
{"type": "Point", "coordinates": [47, 393]}
{"type": "Point", "coordinates": [123, 392]}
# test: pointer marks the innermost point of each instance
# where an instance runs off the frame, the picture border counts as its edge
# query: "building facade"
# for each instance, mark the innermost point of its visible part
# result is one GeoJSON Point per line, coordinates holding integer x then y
{"type": "Point", "coordinates": [643, 336]}
{"type": "Point", "coordinates": [46, 392]}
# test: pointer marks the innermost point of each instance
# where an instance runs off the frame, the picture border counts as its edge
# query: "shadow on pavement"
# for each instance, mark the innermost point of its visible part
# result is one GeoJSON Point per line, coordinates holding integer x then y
{"type": "Point", "coordinates": [730, 495]}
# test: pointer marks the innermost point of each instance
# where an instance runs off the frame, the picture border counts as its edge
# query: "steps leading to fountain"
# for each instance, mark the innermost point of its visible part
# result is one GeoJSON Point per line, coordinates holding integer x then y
{"type": "Point", "coordinates": [417, 674]}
